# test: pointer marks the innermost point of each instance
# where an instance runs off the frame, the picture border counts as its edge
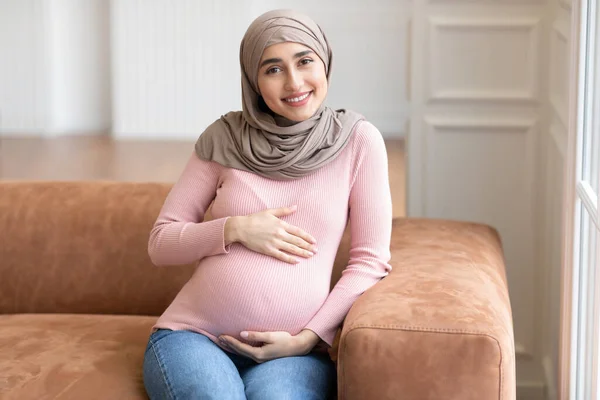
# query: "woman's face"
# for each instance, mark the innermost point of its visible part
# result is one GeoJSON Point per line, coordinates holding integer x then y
{"type": "Point", "coordinates": [292, 80]}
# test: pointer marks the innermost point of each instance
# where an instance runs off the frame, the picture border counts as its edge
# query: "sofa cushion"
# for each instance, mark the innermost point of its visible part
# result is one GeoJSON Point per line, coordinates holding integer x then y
{"type": "Point", "coordinates": [68, 356]}
{"type": "Point", "coordinates": [82, 248]}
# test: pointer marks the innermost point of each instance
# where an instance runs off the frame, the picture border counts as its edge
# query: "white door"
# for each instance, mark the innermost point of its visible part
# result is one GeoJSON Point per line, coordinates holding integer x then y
{"type": "Point", "coordinates": [580, 342]}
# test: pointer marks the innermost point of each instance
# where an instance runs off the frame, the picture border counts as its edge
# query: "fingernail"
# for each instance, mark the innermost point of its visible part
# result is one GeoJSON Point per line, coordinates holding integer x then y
{"type": "Point", "coordinates": [244, 334]}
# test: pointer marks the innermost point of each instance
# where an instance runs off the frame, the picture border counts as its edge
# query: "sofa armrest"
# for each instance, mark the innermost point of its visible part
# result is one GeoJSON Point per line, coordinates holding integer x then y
{"type": "Point", "coordinates": [439, 326]}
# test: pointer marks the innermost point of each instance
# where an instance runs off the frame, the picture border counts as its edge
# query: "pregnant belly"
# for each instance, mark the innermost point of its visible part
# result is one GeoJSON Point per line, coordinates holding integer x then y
{"type": "Point", "coordinates": [241, 292]}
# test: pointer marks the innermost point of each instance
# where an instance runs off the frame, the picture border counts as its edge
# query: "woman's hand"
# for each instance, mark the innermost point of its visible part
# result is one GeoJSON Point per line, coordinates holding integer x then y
{"type": "Point", "coordinates": [275, 344]}
{"type": "Point", "coordinates": [264, 232]}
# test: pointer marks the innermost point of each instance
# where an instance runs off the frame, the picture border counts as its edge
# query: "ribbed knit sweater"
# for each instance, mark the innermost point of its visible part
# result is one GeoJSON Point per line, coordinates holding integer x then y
{"type": "Point", "coordinates": [234, 289]}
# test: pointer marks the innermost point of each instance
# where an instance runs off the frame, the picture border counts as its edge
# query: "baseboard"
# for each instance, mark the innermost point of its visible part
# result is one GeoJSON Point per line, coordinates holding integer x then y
{"type": "Point", "coordinates": [17, 134]}
{"type": "Point", "coordinates": [156, 136]}
{"type": "Point", "coordinates": [174, 136]}
{"type": "Point", "coordinates": [550, 377]}
{"type": "Point", "coordinates": [14, 134]}
{"type": "Point", "coordinates": [531, 390]}
{"type": "Point", "coordinates": [531, 383]}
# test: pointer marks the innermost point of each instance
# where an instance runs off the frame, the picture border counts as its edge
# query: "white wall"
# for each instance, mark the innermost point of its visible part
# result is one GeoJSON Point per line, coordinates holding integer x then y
{"type": "Point", "coordinates": [22, 68]}
{"type": "Point", "coordinates": [54, 66]}
{"type": "Point", "coordinates": [551, 169]}
{"type": "Point", "coordinates": [157, 69]}
{"type": "Point", "coordinates": [78, 66]}
{"type": "Point", "coordinates": [176, 66]}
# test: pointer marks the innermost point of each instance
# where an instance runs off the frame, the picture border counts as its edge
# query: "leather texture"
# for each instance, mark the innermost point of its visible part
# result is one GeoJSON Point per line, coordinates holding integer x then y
{"type": "Point", "coordinates": [439, 326]}
{"type": "Point", "coordinates": [72, 356]}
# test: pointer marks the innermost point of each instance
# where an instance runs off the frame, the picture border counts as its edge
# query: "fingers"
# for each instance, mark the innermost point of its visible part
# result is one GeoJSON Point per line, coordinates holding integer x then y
{"type": "Point", "coordinates": [307, 239]}
{"type": "Point", "coordinates": [280, 255]}
{"type": "Point", "coordinates": [283, 211]}
{"type": "Point", "coordinates": [300, 236]}
{"type": "Point", "coordinates": [264, 337]}
{"type": "Point", "coordinates": [295, 250]}
{"type": "Point", "coordinates": [255, 353]}
{"type": "Point", "coordinates": [292, 235]}
{"type": "Point", "coordinates": [223, 345]}
{"type": "Point", "coordinates": [287, 240]}
{"type": "Point", "coordinates": [286, 252]}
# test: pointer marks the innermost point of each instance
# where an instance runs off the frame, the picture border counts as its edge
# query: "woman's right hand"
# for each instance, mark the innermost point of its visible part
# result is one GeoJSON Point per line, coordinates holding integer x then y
{"type": "Point", "coordinates": [264, 232]}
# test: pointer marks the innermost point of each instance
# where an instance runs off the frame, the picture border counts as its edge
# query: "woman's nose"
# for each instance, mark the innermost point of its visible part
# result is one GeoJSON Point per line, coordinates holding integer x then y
{"type": "Point", "coordinates": [293, 82]}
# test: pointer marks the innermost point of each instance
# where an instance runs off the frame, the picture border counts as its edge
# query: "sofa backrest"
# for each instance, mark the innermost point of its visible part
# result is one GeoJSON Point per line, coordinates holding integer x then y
{"type": "Point", "coordinates": [81, 247]}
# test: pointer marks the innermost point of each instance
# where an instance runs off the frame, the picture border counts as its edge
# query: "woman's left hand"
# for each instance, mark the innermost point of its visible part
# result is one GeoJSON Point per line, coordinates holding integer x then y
{"type": "Point", "coordinates": [275, 344]}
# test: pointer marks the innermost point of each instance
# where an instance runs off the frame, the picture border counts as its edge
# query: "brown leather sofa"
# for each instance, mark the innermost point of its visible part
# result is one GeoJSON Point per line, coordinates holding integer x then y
{"type": "Point", "coordinates": [78, 296]}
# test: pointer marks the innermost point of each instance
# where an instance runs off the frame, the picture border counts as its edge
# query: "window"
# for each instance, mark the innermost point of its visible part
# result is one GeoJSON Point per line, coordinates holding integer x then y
{"type": "Point", "coordinates": [581, 290]}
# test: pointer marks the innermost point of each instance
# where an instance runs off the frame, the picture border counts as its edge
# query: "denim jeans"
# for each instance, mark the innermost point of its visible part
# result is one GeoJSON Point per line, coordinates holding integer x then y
{"type": "Point", "coordinates": [188, 365]}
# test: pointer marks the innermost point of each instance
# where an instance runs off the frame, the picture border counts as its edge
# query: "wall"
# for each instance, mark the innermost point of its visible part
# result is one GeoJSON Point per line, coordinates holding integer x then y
{"type": "Point", "coordinates": [54, 67]}
{"type": "Point", "coordinates": [22, 68]}
{"type": "Point", "coordinates": [551, 169]}
{"type": "Point", "coordinates": [78, 66]}
{"type": "Point", "coordinates": [176, 67]}
{"type": "Point", "coordinates": [157, 69]}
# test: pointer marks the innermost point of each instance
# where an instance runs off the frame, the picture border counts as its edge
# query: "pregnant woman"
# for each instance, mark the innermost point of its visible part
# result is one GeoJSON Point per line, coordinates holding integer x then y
{"type": "Point", "coordinates": [285, 175]}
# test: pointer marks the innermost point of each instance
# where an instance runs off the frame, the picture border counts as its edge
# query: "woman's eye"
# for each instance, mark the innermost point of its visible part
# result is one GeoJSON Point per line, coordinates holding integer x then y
{"type": "Point", "coordinates": [305, 61]}
{"type": "Point", "coordinates": [273, 70]}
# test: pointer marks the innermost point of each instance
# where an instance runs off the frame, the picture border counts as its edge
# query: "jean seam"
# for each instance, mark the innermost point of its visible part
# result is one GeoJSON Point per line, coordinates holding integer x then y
{"type": "Point", "coordinates": [156, 353]}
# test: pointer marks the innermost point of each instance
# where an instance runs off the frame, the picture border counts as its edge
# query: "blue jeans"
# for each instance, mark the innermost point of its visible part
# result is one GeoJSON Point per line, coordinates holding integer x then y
{"type": "Point", "coordinates": [188, 365]}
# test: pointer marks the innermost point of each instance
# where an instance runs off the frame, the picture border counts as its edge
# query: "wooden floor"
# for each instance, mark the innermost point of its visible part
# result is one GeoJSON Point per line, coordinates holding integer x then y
{"type": "Point", "coordinates": [101, 158]}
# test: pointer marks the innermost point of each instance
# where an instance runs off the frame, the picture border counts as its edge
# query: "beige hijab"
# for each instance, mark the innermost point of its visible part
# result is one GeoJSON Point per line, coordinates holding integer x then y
{"type": "Point", "coordinates": [270, 145]}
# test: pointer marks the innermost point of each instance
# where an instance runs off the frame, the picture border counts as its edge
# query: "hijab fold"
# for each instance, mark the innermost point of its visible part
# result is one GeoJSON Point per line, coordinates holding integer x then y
{"type": "Point", "coordinates": [270, 145]}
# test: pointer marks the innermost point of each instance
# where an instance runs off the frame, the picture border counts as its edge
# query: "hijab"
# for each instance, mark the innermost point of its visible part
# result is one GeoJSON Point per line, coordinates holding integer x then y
{"type": "Point", "coordinates": [257, 140]}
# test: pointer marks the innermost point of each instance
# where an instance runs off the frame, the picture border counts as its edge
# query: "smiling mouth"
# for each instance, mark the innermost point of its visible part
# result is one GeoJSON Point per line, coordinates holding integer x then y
{"type": "Point", "coordinates": [297, 99]}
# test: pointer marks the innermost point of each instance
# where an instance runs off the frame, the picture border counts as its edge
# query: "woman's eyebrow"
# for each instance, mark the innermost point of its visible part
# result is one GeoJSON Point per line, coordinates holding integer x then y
{"type": "Point", "coordinates": [277, 60]}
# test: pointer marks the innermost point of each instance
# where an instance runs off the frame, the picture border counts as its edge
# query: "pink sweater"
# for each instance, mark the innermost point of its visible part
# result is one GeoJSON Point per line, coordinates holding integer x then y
{"type": "Point", "coordinates": [235, 289]}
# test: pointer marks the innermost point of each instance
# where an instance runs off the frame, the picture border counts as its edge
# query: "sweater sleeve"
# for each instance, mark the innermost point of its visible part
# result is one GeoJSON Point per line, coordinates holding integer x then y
{"type": "Point", "coordinates": [370, 228]}
{"type": "Point", "coordinates": [179, 236]}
